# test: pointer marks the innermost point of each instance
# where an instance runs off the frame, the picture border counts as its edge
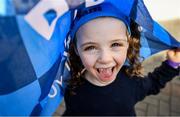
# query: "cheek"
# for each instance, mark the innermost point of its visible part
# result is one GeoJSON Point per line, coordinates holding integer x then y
{"type": "Point", "coordinates": [120, 58]}
{"type": "Point", "coordinates": [88, 60]}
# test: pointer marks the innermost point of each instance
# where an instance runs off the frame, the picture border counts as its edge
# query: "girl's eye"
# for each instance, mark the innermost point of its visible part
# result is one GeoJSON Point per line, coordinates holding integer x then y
{"type": "Point", "coordinates": [116, 45]}
{"type": "Point", "coordinates": [89, 48]}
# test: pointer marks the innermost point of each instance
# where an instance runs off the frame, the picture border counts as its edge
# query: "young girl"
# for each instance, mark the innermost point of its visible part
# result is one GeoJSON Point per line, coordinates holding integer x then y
{"type": "Point", "coordinates": [101, 84]}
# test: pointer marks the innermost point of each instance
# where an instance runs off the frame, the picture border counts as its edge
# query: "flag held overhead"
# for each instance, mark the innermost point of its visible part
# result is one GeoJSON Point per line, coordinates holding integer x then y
{"type": "Point", "coordinates": [34, 38]}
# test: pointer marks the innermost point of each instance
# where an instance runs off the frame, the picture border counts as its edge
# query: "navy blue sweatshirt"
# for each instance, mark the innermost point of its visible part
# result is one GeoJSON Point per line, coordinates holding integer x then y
{"type": "Point", "coordinates": [119, 97]}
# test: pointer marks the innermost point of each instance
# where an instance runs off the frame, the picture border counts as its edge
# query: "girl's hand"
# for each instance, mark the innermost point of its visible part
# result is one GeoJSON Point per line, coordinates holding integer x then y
{"type": "Point", "coordinates": [174, 55]}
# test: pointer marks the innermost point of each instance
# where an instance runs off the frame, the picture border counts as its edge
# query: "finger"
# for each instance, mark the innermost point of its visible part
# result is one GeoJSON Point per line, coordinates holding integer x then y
{"type": "Point", "coordinates": [171, 53]}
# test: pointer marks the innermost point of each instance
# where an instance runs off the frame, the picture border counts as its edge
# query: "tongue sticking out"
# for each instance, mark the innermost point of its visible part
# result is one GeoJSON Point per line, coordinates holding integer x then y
{"type": "Point", "coordinates": [105, 73]}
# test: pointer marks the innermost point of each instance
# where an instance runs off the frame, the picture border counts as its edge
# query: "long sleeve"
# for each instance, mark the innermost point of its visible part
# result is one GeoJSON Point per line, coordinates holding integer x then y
{"type": "Point", "coordinates": [156, 80]}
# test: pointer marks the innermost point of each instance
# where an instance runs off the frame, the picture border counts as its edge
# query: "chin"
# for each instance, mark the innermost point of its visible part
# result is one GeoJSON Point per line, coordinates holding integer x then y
{"type": "Point", "coordinates": [106, 81]}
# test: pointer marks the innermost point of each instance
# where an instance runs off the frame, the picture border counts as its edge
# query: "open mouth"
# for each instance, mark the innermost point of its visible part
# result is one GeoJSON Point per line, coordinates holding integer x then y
{"type": "Point", "coordinates": [105, 70]}
{"type": "Point", "coordinates": [105, 74]}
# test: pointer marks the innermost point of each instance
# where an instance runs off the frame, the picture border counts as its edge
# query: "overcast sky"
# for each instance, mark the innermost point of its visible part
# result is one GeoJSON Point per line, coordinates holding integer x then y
{"type": "Point", "coordinates": [163, 9]}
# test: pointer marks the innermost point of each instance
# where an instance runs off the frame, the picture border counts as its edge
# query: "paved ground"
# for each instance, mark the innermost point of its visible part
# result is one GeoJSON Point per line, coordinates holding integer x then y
{"type": "Point", "coordinates": [166, 103]}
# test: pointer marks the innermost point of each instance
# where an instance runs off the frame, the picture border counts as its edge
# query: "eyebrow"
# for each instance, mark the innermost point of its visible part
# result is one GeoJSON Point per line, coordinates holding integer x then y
{"type": "Point", "coordinates": [115, 40]}
{"type": "Point", "coordinates": [88, 43]}
{"type": "Point", "coordinates": [119, 39]}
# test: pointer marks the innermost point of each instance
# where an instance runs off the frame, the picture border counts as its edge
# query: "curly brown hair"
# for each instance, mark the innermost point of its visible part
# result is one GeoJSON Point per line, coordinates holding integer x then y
{"type": "Point", "coordinates": [133, 54]}
{"type": "Point", "coordinates": [133, 58]}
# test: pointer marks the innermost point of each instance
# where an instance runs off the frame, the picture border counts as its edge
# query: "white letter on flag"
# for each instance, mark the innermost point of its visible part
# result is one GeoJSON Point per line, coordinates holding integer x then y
{"type": "Point", "coordinates": [37, 20]}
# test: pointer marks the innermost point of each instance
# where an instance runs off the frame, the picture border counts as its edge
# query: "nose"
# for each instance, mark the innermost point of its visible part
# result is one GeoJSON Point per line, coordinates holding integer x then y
{"type": "Point", "coordinates": [105, 57]}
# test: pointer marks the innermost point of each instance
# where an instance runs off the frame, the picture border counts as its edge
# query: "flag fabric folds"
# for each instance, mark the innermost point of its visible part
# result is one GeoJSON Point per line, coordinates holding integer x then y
{"type": "Point", "coordinates": [32, 54]}
{"type": "Point", "coordinates": [34, 41]}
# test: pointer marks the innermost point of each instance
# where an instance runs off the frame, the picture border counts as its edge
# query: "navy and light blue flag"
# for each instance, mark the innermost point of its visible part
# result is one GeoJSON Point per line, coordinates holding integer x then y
{"type": "Point", "coordinates": [34, 41]}
{"type": "Point", "coordinates": [32, 53]}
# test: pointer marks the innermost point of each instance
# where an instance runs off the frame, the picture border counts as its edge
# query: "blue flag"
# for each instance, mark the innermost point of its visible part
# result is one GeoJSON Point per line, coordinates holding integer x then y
{"type": "Point", "coordinates": [34, 39]}
{"type": "Point", "coordinates": [32, 52]}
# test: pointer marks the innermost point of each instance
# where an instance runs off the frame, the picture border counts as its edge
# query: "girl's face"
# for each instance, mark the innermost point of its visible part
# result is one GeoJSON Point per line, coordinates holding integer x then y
{"type": "Point", "coordinates": [102, 46]}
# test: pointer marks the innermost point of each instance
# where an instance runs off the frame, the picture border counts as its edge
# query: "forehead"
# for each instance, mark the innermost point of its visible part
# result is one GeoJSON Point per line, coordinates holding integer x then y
{"type": "Point", "coordinates": [102, 27]}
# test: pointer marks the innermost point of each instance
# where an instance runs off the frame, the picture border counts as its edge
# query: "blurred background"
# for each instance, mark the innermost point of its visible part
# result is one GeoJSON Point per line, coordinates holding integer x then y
{"type": "Point", "coordinates": [167, 103]}
{"type": "Point", "coordinates": [167, 13]}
